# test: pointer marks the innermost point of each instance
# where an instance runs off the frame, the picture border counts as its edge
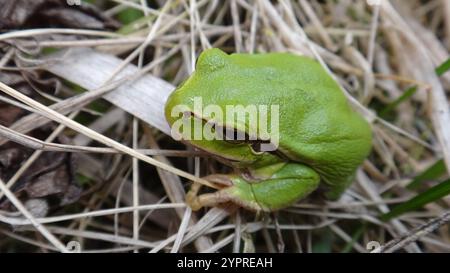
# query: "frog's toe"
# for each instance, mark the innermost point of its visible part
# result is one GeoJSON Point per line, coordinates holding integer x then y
{"type": "Point", "coordinates": [197, 202]}
{"type": "Point", "coordinates": [221, 180]}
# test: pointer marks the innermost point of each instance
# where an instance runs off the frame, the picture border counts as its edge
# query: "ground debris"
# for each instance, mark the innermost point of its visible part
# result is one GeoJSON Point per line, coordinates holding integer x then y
{"type": "Point", "coordinates": [52, 13]}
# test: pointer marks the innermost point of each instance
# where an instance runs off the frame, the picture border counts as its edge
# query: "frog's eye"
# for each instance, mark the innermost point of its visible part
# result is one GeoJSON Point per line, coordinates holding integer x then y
{"type": "Point", "coordinates": [255, 146]}
{"type": "Point", "coordinates": [261, 146]}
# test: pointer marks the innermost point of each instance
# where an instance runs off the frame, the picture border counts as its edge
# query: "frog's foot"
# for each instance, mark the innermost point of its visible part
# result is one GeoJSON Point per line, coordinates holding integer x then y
{"type": "Point", "coordinates": [231, 189]}
{"type": "Point", "coordinates": [196, 201]}
{"type": "Point", "coordinates": [286, 186]}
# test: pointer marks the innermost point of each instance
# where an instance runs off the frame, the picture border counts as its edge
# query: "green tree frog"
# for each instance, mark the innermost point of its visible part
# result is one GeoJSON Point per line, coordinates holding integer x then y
{"type": "Point", "coordinates": [321, 141]}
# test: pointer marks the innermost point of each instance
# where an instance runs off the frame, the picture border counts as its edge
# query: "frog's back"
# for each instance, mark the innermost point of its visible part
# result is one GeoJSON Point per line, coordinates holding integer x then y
{"type": "Point", "coordinates": [317, 125]}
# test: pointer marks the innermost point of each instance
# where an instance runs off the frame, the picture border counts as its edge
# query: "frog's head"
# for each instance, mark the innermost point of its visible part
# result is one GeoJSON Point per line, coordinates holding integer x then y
{"type": "Point", "coordinates": [198, 112]}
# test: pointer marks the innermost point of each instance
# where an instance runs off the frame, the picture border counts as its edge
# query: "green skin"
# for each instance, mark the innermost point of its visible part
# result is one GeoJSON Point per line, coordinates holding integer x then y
{"type": "Point", "coordinates": [322, 140]}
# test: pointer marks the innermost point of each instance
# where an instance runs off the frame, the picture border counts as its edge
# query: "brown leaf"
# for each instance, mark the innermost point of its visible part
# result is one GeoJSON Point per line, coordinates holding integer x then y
{"type": "Point", "coordinates": [73, 18]}
{"type": "Point", "coordinates": [10, 158]}
{"type": "Point", "coordinates": [52, 13]}
{"type": "Point", "coordinates": [17, 81]}
{"type": "Point", "coordinates": [51, 175]}
{"type": "Point", "coordinates": [14, 14]}
{"type": "Point", "coordinates": [48, 183]}
{"type": "Point", "coordinates": [9, 114]}
{"type": "Point", "coordinates": [72, 194]}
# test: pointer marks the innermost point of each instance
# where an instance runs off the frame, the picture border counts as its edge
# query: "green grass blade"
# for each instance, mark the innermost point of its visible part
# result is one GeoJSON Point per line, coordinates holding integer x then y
{"type": "Point", "coordinates": [431, 195]}
{"type": "Point", "coordinates": [444, 67]}
{"type": "Point", "coordinates": [356, 236]}
{"type": "Point", "coordinates": [391, 106]}
{"type": "Point", "coordinates": [325, 243]}
{"type": "Point", "coordinates": [129, 15]}
{"type": "Point", "coordinates": [432, 173]}
{"type": "Point", "coordinates": [137, 24]}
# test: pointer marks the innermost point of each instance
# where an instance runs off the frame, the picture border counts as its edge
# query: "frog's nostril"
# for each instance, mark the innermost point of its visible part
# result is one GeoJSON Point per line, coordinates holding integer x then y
{"type": "Point", "coordinates": [188, 114]}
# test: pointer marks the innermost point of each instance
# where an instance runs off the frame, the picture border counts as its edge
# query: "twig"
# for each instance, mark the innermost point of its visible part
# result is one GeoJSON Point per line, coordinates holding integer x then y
{"type": "Point", "coordinates": [34, 156]}
{"type": "Point", "coordinates": [182, 230]}
{"type": "Point", "coordinates": [414, 234]}
{"type": "Point", "coordinates": [47, 31]}
{"type": "Point", "coordinates": [53, 115]}
{"type": "Point", "coordinates": [43, 230]}
{"type": "Point", "coordinates": [37, 144]}
{"type": "Point", "coordinates": [20, 222]}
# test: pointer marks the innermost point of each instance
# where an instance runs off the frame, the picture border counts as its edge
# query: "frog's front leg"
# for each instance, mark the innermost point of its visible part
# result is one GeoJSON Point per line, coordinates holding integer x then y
{"type": "Point", "coordinates": [286, 186]}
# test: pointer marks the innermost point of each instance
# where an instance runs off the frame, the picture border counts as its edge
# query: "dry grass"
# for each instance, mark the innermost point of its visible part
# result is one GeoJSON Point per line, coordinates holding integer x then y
{"type": "Point", "coordinates": [134, 197]}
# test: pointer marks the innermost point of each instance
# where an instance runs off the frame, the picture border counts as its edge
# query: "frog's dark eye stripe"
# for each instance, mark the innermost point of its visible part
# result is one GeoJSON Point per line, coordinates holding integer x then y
{"type": "Point", "coordinates": [233, 141]}
{"type": "Point", "coordinates": [281, 155]}
{"type": "Point", "coordinates": [232, 135]}
{"type": "Point", "coordinates": [237, 137]}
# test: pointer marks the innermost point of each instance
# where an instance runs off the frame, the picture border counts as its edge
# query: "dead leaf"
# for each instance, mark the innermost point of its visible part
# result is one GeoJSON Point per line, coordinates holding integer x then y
{"type": "Point", "coordinates": [10, 159]}
{"type": "Point", "coordinates": [15, 13]}
{"type": "Point", "coordinates": [9, 114]}
{"type": "Point", "coordinates": [51, 175]}
{"type": "Point", "coordinates": [52, 13]}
